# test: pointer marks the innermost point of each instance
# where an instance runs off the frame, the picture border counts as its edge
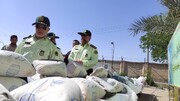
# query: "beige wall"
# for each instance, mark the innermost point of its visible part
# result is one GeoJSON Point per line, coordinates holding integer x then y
{"type": "Point", "coordinates": [134, 69]}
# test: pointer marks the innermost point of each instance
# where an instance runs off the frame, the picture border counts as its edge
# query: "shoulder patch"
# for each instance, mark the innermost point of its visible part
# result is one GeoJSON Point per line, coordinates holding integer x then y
{"type": "Point", "coordinates": [93, 46]}
{"type": "Point", "coordinates": [27, 37]}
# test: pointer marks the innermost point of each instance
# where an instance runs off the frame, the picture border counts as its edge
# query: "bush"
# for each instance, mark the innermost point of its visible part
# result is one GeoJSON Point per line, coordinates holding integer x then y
{"type": "Point", "coordinates": [150, 81]}
{"type": "Point", "coordinates": [122, 74]}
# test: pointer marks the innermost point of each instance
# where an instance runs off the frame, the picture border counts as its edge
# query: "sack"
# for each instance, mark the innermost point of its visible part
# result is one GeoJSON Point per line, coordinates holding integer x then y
{"type": "Point", "coordinates": [74, 69]}
{"type": "Point", "coordinates": [49, 89]}
{"type": "Point", "coordinates": [14, 64]}
{"type": "Point", "coordinates": [5, 95]}
{"type": "Point", "coordinates": [12, 83]}
{"type": "Point", "coordinates": [117, 86]}
{"type": "Point", "coordinates": [100, 72]}
{"type": "Point", "coordinates": [50, 67]}
{"type": "Point", "coordinates": [91, 91]}
{"type": "Point", "coordinates": [130, 95]}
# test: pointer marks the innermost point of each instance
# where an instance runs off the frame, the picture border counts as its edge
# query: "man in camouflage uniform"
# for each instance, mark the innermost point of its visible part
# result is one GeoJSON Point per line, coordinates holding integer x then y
{"type": "Point", "coordinates": [85, 53]}
{"type": "Point", "coordinates": [38, 46]}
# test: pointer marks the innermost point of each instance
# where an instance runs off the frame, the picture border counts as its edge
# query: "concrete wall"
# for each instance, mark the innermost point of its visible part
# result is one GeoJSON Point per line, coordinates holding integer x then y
{"type": "Point", "coordinates": [159, 72]}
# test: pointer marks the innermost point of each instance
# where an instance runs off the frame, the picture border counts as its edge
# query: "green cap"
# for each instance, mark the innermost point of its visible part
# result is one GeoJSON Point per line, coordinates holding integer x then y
{"type": "Point", "coordinates": [51, 34]}
{"type": "Point", "coordinates": [86, 33]}
{"type": "Point", "coordinates": [42, 20]}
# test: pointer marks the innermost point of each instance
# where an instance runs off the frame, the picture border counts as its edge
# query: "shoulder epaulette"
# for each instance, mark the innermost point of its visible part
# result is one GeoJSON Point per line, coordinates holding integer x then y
{"type": "Point", "coordinates": [27, 37]}
{"type": "Point", "coordinates": [93, 46]}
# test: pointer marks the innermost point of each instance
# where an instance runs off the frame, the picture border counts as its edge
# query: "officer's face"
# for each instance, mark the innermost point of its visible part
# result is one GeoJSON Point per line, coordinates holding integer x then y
{"type": "Point", "coordinates": [41, 30]}
{"type": "Point", "coordinates": [75, 43]}
{"type": "Point", "coordinates": [85, 39]}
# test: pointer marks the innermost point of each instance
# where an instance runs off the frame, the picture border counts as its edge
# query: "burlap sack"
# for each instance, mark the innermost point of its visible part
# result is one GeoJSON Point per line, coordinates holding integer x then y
{"type": "Point", "coordinates": [12, 83]}
{"type": "Point", "coordinates": [91, 91]}
{"type": "Point", "coordinates": [50, 67]}
{"type": "Point", "coordinates": [5, 95]}
{"type": "Point", "coordinates": [74, 69]}
{"type": "Point", "coordinates": [49, 89]}
{"type": "Point", "coordinates": [13, 64]}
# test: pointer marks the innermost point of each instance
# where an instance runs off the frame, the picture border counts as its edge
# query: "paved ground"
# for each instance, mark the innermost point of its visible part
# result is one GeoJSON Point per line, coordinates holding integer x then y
{"type": "Point", "coordinates": [154, 94]}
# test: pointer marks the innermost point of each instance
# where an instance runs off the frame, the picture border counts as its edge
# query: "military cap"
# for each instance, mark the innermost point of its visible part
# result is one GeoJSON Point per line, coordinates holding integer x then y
{"type": "Point", "coordinates": [51, 34]}
{"type": "Point", "coordinates": [42, 20]}
{"type": "Point", "coordinates": [86, 33]}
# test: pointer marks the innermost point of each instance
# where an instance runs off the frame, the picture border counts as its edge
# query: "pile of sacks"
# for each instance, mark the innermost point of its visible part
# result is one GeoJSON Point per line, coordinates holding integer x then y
{"type": "Point", "coordinates": [53, 81]}
{"type": "Point", "coordinates": [13, 67]}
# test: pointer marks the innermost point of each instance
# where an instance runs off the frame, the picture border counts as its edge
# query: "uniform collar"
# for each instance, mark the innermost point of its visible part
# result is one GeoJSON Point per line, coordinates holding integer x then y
{"type": "Point", "coordinates": [85, 45]}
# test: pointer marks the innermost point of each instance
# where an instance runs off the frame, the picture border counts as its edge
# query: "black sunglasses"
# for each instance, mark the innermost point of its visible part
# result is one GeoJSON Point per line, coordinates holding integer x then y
{"type": "Point", "coordinates": [38, 26]}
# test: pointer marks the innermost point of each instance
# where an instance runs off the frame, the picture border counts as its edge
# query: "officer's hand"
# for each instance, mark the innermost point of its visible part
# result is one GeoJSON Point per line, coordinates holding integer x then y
{"type": "Point", "coordinates": [79, 61]}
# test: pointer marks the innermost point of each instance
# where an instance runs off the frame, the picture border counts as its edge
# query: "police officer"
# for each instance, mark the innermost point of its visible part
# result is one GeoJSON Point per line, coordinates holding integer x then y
{"type": "Point", "coordinates": [85, 53]}
{"type": "Point", "coordinates": [39, 46]}
{"type": "Point", "coordinates": [52, 36]}
{"type": "Point", "coordinates": [75, 42]}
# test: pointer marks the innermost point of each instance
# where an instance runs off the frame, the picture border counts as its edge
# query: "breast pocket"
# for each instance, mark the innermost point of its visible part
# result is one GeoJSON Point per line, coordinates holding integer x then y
{"type": "Point", "coordinates": [86, 55]}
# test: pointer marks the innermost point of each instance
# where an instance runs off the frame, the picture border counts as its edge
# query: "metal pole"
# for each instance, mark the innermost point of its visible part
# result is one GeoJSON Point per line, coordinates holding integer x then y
{"type": "Point", "coordinates": [112, 54]}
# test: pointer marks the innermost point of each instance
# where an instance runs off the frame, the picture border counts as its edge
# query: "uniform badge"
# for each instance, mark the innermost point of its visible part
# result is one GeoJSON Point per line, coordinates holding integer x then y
{"type": "Point", "coordinates": [56, 53]}
{"type": "Point", "coordinates": [95, 52]}
{"type": "Point", "coordinates": [41, 53]}
{"type": "Point", "coordinates": [86, 55]}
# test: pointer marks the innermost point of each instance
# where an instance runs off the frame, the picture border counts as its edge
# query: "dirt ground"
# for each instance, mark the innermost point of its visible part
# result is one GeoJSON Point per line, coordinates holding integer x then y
{"type": "Point", "coordinates": [154, 94]}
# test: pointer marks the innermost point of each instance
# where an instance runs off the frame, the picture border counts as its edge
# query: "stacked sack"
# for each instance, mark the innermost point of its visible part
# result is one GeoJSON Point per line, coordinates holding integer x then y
{"type": "Point", "coordinates": [75, 69]}
{"type": "Point", "coordinates": [116, 90]}
{"type": "Point", "coordinates": [13, 67]}
{"type": "Point", "coordinates": [5, 94]}
{"type": "Point", "coordinates": [49, 89]}
{"type": "Point", "coordinates": [48, 68]}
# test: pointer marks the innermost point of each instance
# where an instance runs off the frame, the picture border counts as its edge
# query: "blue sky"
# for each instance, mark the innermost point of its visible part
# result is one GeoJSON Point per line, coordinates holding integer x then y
{"type": "Point", "coordinates": [108, 20]}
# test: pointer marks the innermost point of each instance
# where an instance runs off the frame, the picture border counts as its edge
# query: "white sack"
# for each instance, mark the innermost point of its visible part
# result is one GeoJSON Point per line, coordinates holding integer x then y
{"type": "Point", "coordinates": [12, 83]}
{"type": "Point", "coordinates": [49, 89]}
{"type": "Point", "coordinates": [117, 86]}
{"type": "Point", "coordinates": [106, 86]}
{"type": "Point", "coordinates": [14, 64]}
{"type": "Point", "coordinates": [5, 95]}
{"type": "Point", "coordinates": [91, 91]}
{"type": "Point", "coordinates": [37, 76]}
{"type": "Point", "coordinates": [50, 67]}
{"type": "Point", "coordinates": [74, 69]}
{"type": "Point", "coordinates": [100, 72]}
{"type": "Point", "coordinates": [130, 95]}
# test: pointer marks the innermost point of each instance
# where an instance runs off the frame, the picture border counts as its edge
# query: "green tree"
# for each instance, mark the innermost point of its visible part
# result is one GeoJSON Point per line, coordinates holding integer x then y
{"type": "Point", "coordinates": [158, 30]}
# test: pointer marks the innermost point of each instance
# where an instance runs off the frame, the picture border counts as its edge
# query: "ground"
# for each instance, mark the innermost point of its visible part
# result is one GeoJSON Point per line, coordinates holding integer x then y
{"type": "Point", "coordinates": [154, 94]}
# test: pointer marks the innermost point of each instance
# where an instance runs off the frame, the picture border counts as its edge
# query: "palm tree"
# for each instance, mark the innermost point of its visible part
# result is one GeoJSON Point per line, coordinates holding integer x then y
{"type": "Point", "coordinates": [156, 26]}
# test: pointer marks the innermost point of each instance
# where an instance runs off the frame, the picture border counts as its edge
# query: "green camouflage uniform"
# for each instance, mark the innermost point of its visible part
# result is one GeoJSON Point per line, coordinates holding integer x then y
{"type": "Point", "coordinates": [87, 54]}
{"type": "Point", "coordinates": [34, 49]}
